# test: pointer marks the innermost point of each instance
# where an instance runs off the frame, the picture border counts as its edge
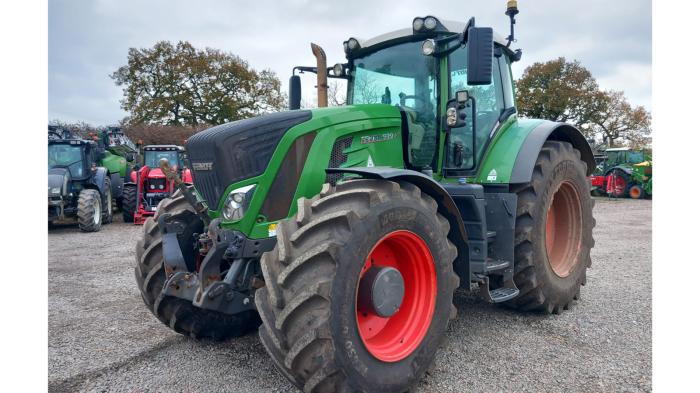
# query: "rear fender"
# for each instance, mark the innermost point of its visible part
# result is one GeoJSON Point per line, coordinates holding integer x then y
{"type": "Point", "coordinates": [446, 205]}
{"type": "Point", "coordinates": [547, 131]}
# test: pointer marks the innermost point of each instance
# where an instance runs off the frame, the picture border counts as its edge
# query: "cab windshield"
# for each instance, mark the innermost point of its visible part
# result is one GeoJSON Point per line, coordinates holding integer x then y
{"type": "Point", "coordinates": [152, 158]}
{"type": "Point", "coordinates": [67, 156]}
{"type": "Point", "coordinates": [401, 75]}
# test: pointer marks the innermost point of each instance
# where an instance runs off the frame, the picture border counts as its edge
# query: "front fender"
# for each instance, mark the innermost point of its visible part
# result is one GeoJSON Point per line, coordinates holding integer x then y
{"type": "Point", "coordinates": [446, 205]}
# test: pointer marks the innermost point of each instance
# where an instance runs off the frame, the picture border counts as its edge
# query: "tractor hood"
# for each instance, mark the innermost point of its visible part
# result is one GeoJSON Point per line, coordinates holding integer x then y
{"type": "Point", "coordinates": [235, 151]}
{"type": "Point", "coordinates": [58, 181]}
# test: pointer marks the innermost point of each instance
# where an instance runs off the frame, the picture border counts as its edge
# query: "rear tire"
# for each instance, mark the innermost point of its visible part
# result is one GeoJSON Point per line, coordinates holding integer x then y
{"type": "Point", "coordinates": [179, 314]}
{"type": "Point", "coordinates": [129, 202]}
{"type": "Point", "coordinates": [311, 324]}
{"type": "Point", "coordinates": [554, 218]}
{"type": "Point", "coordinates": [89, 210]}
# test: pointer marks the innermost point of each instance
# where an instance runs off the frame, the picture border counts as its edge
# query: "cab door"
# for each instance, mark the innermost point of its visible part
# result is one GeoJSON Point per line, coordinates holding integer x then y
{"type": "Point", "coordinates": [465, 146]}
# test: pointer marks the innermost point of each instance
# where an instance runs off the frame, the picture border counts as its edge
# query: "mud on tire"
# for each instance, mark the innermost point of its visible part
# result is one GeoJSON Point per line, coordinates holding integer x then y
{"type": "Point", "coordinates": [541, 288]}
{"type": "Point", "coordinates": [308, 303]}
{"type": "Point", "coordinates": [179, 314]}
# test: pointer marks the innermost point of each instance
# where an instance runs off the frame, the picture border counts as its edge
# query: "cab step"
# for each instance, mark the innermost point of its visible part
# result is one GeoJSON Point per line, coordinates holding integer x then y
{"type": "Point", "coordinates": [494, 266]}
{"type": "Point", "coordinates": [499, 295]}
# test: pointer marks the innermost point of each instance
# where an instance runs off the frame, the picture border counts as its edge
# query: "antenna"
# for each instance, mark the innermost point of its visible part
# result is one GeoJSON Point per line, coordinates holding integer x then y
{"type": "Point", "coordinates": [511, 11]}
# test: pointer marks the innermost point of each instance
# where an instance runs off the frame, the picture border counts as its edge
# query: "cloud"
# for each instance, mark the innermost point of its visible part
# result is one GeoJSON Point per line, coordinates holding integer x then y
{"type": "Point", "coordinates": [90, 40]}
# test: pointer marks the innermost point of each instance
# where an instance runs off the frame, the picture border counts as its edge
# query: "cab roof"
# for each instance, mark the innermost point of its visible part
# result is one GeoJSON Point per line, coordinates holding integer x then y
{"type": "Point", "coordinates": [163, 147]}
{"type": "Point", "coordinates": [452, 27]}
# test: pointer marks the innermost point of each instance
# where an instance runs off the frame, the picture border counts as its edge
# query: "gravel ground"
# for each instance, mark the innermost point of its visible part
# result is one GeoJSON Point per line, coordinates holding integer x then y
{"type": "Point", "coordinates": [102, 338]}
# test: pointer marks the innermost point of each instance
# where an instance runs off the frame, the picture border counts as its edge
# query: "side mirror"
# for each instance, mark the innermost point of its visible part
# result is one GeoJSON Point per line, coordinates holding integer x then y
{"type": "Point", "coordinates": [130, 157]}
{"type": "Point", "coordinates": [294, 92]}
{"type": "Point", "coordinates": [480, 55]}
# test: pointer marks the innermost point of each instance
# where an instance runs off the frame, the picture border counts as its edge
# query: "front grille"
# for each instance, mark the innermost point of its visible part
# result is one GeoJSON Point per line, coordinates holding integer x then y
{"type": "Point", "coordinates": [154, 185]}
{"type": "Point", "coordinates": [338, 157]}
{"type": "Point", "coordinates": [231, 152]}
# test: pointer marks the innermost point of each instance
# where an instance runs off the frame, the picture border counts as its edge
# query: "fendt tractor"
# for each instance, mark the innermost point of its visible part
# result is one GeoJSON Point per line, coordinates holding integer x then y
{"type": "Point", "coordinates": [148, 185]}
{"type": "Point", "coordinates": [624, 172]}
{"type": "Point", "coordinates": [78, 187]}
{"type": "Point", "coordinates": [343, 232]}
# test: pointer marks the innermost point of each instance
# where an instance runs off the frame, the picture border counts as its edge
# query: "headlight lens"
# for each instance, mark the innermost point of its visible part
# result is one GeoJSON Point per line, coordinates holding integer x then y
{"type": "Point", "coordinates": [417, 24]}
{"type": "Point", "coordinates": [338, 69]}
{"type": "Point", "coordinates": [55, 191]}
{"type": "Point", "coordinates": [430, 23]}
{"type": "Point", "coordinates": [353, 44]}
{"type": "Point", "coordinates": [428, 47]}
{"type": "Point", "coordinates": [237, 202]}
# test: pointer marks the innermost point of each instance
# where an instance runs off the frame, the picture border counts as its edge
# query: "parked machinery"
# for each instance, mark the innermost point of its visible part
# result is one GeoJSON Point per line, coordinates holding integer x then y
{"type": "Point", "coordinates": [79, 188]}
{"type": "Point", "coordinates": [148, 185]}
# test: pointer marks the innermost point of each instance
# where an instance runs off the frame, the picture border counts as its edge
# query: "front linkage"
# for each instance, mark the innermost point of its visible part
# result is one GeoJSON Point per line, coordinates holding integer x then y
{"type": "Point", "coordinates": [206, 284]}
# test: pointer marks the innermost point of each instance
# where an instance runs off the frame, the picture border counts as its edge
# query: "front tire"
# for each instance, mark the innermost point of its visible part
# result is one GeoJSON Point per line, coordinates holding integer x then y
{"type": "Point", "coordinates": [553, 231]}
{"type": "Point", "coordinates": [129, 202]}
{"type": "Point", "coordinates": [89, 210]}
{"type": "Point", "coordinates": [314, 327]}
{"type": "Point", "coordinates": [636, 192]}
{"type": "Point", "coordinates": [178, 314]}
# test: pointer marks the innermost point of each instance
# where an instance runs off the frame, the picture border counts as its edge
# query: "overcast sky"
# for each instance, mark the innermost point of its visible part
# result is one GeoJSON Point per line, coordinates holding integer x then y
{"type": "Point", "coordinates": [88, 40]}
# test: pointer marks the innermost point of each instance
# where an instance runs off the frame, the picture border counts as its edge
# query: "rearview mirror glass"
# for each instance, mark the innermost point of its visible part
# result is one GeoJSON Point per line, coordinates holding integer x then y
{"type": "Point", "coordinates": [294, 92]}
{"type": "Point", "coordinates": [480, 55]}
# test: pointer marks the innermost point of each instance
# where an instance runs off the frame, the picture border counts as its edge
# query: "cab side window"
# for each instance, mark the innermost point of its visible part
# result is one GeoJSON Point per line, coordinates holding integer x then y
{"type": "Point", "coordinates": [489, 106]}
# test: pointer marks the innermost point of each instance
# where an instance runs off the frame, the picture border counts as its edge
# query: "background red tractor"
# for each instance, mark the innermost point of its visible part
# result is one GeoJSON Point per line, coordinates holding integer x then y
{"type": "Point", "coordinates": [148, 184]}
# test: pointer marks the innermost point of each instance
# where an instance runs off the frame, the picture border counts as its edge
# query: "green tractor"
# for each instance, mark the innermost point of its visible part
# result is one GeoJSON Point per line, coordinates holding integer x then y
{"type": "Point", "coordinates": [624, 172]}
{"type": "Point", "coordinates": [119, 157]}
{"type": "Point", "coordinates": [79, 188]}
{"type": "Point", "coordinates": [344, 232]}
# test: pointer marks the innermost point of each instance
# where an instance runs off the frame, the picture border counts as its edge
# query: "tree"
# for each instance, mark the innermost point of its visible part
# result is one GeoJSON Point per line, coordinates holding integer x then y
{"type": "Point", "coordinates": [614, 118]}
{"type": "Point", "coordinates": [557, 90]}
{"type": "Point", "coordinates": [181, 85]}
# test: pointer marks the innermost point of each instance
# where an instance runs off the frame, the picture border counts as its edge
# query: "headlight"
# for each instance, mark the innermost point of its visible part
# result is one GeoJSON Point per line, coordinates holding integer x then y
{"type": "Point", "coordinates": [161, 186]}
{"type": "Point", "coordinates": [418, 24]}
{"type": "Point", "coordinates": [237, 202]}
{"type": "Point", "coordinates": [451, 117]}
{"type": "Point", "coordinates": [428, 47]}
{"type": "Point", "coordinates": [353, 44]}
{"type": "Point", "coordinates": [338, 69]}
{"type": "Point", "coordinates": [430, 23]}
{"type": "Point", "coordinates": [55, 191]}
{"type": "Point", "coordinates": [152, 187]}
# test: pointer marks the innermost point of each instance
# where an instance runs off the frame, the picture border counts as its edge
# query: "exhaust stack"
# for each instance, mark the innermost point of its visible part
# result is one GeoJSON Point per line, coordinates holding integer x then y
{"type": "Point", "coordinates": [321, 75]}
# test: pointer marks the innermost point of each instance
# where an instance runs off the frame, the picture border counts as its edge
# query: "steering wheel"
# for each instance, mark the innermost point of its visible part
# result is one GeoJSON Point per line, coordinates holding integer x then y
{"type": "Point", "coordinates": [403, 96]}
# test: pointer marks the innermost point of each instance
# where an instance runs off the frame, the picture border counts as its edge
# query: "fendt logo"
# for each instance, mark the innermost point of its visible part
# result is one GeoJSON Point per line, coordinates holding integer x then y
{"type": "Point", "coordinates": [202, 166]}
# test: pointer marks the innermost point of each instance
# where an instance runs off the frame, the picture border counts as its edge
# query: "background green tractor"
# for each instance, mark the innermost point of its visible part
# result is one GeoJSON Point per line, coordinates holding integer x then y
{"type": "Point", "coordinates": [119, 157]}
{"type": "Point", "coordinates": [624, 172]}
{"type": "Point", "coordinates": [78, 187]}
{"type": "Point", "coordinates": [345, 231]}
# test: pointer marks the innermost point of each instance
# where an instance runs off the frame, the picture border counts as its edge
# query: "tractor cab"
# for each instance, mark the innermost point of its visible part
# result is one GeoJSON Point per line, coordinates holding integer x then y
{"type": "Point", "coordinates": [442, 76]}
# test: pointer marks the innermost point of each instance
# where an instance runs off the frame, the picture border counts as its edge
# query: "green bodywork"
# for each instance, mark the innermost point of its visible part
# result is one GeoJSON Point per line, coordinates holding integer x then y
{"type": "Point", "coordinates": [114, 163]}
{"type": "Point", "coordinates": [383, 124]}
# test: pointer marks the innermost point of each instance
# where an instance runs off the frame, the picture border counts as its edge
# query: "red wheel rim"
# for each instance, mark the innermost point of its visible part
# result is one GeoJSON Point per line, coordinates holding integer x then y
{"type": "Point", "coordinates": [635, 192]}
{"type": "Point", "coordinates": [564, 229]}
{"type": "Point", "coordinates": [616, 184]}
{"type": "Point", "coordinates": [396, 337]}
